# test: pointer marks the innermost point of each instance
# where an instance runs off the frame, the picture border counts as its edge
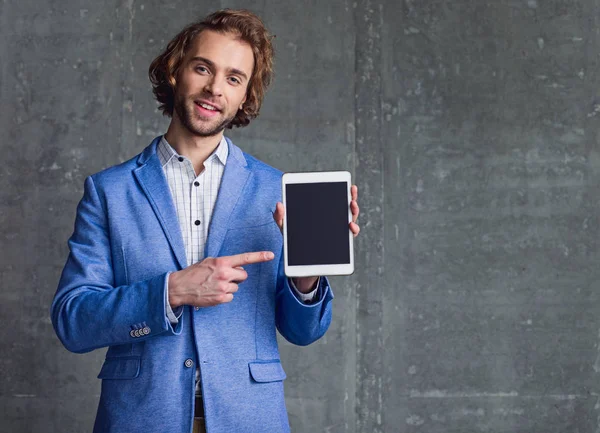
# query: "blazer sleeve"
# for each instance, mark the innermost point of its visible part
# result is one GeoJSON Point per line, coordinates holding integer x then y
{"type": "Point", "coordinates": [88, 311]}
{"type": "Point", "coordinates": [298, 322]}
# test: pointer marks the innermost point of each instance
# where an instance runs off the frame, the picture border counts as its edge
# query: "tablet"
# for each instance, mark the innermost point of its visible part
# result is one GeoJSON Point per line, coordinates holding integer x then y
{"type": "Point", "coordinates": [316, 237]}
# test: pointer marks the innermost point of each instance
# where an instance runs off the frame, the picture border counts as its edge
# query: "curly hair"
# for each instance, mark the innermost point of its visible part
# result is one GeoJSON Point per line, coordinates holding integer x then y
{"type": "Point", "coordinates": [249, 28]}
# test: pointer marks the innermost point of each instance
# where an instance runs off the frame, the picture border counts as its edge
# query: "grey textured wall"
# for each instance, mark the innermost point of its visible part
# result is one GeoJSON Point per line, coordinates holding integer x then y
{"type": "Point", "coordinates": [472, 130]}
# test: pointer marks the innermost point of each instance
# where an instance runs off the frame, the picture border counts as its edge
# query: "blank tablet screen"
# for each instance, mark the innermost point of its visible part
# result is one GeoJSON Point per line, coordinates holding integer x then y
{"type": "Point", "coordinates": [317, 223]}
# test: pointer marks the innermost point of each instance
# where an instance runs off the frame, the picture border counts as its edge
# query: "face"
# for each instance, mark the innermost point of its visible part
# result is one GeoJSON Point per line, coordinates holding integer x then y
{"type": "Point", "coordinates": [212, 83]}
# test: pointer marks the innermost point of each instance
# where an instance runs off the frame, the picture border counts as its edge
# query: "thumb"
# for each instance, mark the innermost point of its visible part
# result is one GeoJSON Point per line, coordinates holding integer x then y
{"type": "Point", "coordinates": [279, 214]}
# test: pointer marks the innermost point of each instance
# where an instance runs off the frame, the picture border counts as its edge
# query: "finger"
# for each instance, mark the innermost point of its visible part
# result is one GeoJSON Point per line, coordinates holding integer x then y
{"type": "Point", "coordinates": [279, 210]}
{"type": "Point", "coordinates": [355, 210]}
{"type": "Point", "coordinates": [232, 288]}
{"type": "Point", "coordinates": [279, 214]}
{"type": "Point", "coordinates": [355, 229]}
{"type": "Point", "coordinates": [354, 192]}
{"type": "Point", "coordinates": [248, 258]}
{"type": "Point", "coordinates": [227, 297]}
{"type": "Point", "coordinates": [238, 275]}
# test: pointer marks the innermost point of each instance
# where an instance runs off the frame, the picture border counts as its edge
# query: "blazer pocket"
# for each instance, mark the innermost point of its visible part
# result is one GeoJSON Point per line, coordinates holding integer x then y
{"type": "Point", "coordinates": [251, 221]}
{"type": "Point", "coordinates": [126, 367]}
{"type": "Point", "coordinates": [267, 371]}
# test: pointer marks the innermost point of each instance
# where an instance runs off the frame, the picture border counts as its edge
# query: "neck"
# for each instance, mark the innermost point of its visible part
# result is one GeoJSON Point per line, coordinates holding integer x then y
{"type": "Point", "coordinates": [194, 147]}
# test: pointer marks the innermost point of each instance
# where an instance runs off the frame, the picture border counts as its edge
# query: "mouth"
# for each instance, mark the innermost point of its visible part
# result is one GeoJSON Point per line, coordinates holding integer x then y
{"type": "Point", "coordinates": [206, 109]}
{"type": "Point", "coordinates": [207, 106]}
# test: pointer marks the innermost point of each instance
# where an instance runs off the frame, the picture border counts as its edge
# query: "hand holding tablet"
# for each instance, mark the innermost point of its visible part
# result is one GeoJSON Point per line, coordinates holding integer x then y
{"type": "Point", "coordinates": [317, 238]}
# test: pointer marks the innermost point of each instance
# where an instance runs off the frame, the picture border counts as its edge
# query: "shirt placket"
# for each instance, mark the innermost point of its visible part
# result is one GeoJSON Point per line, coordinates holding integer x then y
{"type": "Point", "coordinates": [196, 217]}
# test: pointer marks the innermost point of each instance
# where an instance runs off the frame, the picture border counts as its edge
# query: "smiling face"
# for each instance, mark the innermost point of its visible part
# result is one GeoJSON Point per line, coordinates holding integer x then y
{"type": "Point", "coordinates": [212, 83]}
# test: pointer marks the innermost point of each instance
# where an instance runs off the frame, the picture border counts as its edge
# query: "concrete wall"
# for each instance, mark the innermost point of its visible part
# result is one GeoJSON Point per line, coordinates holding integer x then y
{"type": "Point", "coordinates": [472, 130]}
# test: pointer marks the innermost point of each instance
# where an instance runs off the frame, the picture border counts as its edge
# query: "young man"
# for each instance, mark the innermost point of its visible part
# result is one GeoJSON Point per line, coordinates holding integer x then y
{"type": "Point", "coordinates": [176, 262]}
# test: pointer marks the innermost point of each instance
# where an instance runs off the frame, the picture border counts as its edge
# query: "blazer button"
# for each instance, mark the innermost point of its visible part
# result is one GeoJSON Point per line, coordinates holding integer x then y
{"type": "Point", "coordinates": [146, 330]}
{"type": "Point", "coordinates": [189, 363]}
{"type": "Point", "coordinates": [136, 333]}
{"type": "Point", "coordinates": [132, 333]}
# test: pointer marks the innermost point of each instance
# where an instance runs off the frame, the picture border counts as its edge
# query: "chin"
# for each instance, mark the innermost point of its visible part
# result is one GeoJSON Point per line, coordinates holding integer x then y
{"type": "Point", "coordinates": [207, 132]}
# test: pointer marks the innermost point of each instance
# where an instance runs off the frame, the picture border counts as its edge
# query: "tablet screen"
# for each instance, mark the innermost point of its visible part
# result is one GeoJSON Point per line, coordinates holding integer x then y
{"type": "Point", "coordinates": [317, 223]}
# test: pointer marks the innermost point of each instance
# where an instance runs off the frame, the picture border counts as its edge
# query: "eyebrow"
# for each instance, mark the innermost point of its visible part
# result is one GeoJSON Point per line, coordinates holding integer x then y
{"type": "Point", "coordinates": [212, 65]}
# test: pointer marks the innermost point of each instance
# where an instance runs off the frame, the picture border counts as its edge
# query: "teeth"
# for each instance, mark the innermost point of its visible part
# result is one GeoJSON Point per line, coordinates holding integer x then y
{"type": "Point", "coordinates": [208, 107]}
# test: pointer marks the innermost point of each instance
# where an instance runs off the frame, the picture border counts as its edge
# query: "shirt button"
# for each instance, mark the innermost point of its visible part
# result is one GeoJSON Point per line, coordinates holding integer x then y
{"type": "Point", "coordinates": [188, 363]}
{"type": "Point", "coordinates": [180, 159]}
{"type": "Point", "coordinates": [196, 183]}
{"type": "Point", "coordinates": [196, 308]}
{"type": "Point", "coordinates": [197, 222]}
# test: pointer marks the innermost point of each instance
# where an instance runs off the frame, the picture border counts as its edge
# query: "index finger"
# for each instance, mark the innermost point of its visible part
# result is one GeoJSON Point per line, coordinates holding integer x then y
{"type": "Point", "coordinates": [248, 258]}
{"type": "Point", "coordinates": [354, 192]}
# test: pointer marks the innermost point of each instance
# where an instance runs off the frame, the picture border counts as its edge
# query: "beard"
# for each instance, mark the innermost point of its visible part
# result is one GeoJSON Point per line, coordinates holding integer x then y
{"type": "Point", "coordinates": [189, 119]}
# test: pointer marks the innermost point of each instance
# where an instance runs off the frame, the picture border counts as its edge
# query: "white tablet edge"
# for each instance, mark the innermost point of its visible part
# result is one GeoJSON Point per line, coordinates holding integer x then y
{"type": "Point", "coordinates": [317, 270]}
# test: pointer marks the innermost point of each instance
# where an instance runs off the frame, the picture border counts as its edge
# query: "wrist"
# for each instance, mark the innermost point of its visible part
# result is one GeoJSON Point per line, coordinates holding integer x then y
{"type": "Point", "coordinates": [305, 284]}
{"type": "Point", "coordinates": [174, 298]}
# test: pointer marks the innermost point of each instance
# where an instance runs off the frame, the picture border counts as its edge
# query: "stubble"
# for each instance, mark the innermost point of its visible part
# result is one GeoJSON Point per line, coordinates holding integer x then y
{"type": "Point", "coordinates": [192, 123]}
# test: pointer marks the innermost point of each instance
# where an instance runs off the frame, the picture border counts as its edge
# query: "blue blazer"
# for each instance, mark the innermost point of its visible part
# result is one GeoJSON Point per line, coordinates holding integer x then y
{"type": "Point", "coordinates": [112, 294]}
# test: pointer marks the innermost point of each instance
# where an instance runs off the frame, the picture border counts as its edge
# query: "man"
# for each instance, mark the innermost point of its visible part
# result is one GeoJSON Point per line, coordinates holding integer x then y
{"type": "Point", "coordinates": [176, 261]}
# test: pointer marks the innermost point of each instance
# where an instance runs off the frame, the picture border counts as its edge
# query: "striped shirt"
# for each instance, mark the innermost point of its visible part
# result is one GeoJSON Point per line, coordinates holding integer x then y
{"type": "Point", "coordinates": [194, 195]}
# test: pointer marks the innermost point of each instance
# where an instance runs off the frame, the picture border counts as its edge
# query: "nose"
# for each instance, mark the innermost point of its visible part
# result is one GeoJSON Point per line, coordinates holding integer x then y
{"type": "Point", "coordinates": [214, 85]}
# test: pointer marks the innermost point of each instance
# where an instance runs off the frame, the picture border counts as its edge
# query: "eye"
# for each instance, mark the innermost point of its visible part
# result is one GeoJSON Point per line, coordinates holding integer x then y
{"type": "Point", "coordinates": [201, 69]}
{"type": "Point", "coordinates": [235, 80]}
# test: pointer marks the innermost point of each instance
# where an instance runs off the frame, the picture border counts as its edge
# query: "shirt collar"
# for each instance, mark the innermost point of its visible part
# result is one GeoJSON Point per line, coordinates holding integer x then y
{"type": "Point", "coordinates": [166, 152]}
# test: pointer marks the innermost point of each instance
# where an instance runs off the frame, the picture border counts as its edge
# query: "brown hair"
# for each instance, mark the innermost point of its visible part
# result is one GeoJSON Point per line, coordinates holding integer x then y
{"type": "Point", "coordinates": [243, 23]}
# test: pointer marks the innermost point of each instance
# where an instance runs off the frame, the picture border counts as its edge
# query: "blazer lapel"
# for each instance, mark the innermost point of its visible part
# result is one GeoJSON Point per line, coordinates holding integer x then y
{"type": "Point", "coordinates": [234, 179]}
{"type": "Point", "coordinates": [151, 178]}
